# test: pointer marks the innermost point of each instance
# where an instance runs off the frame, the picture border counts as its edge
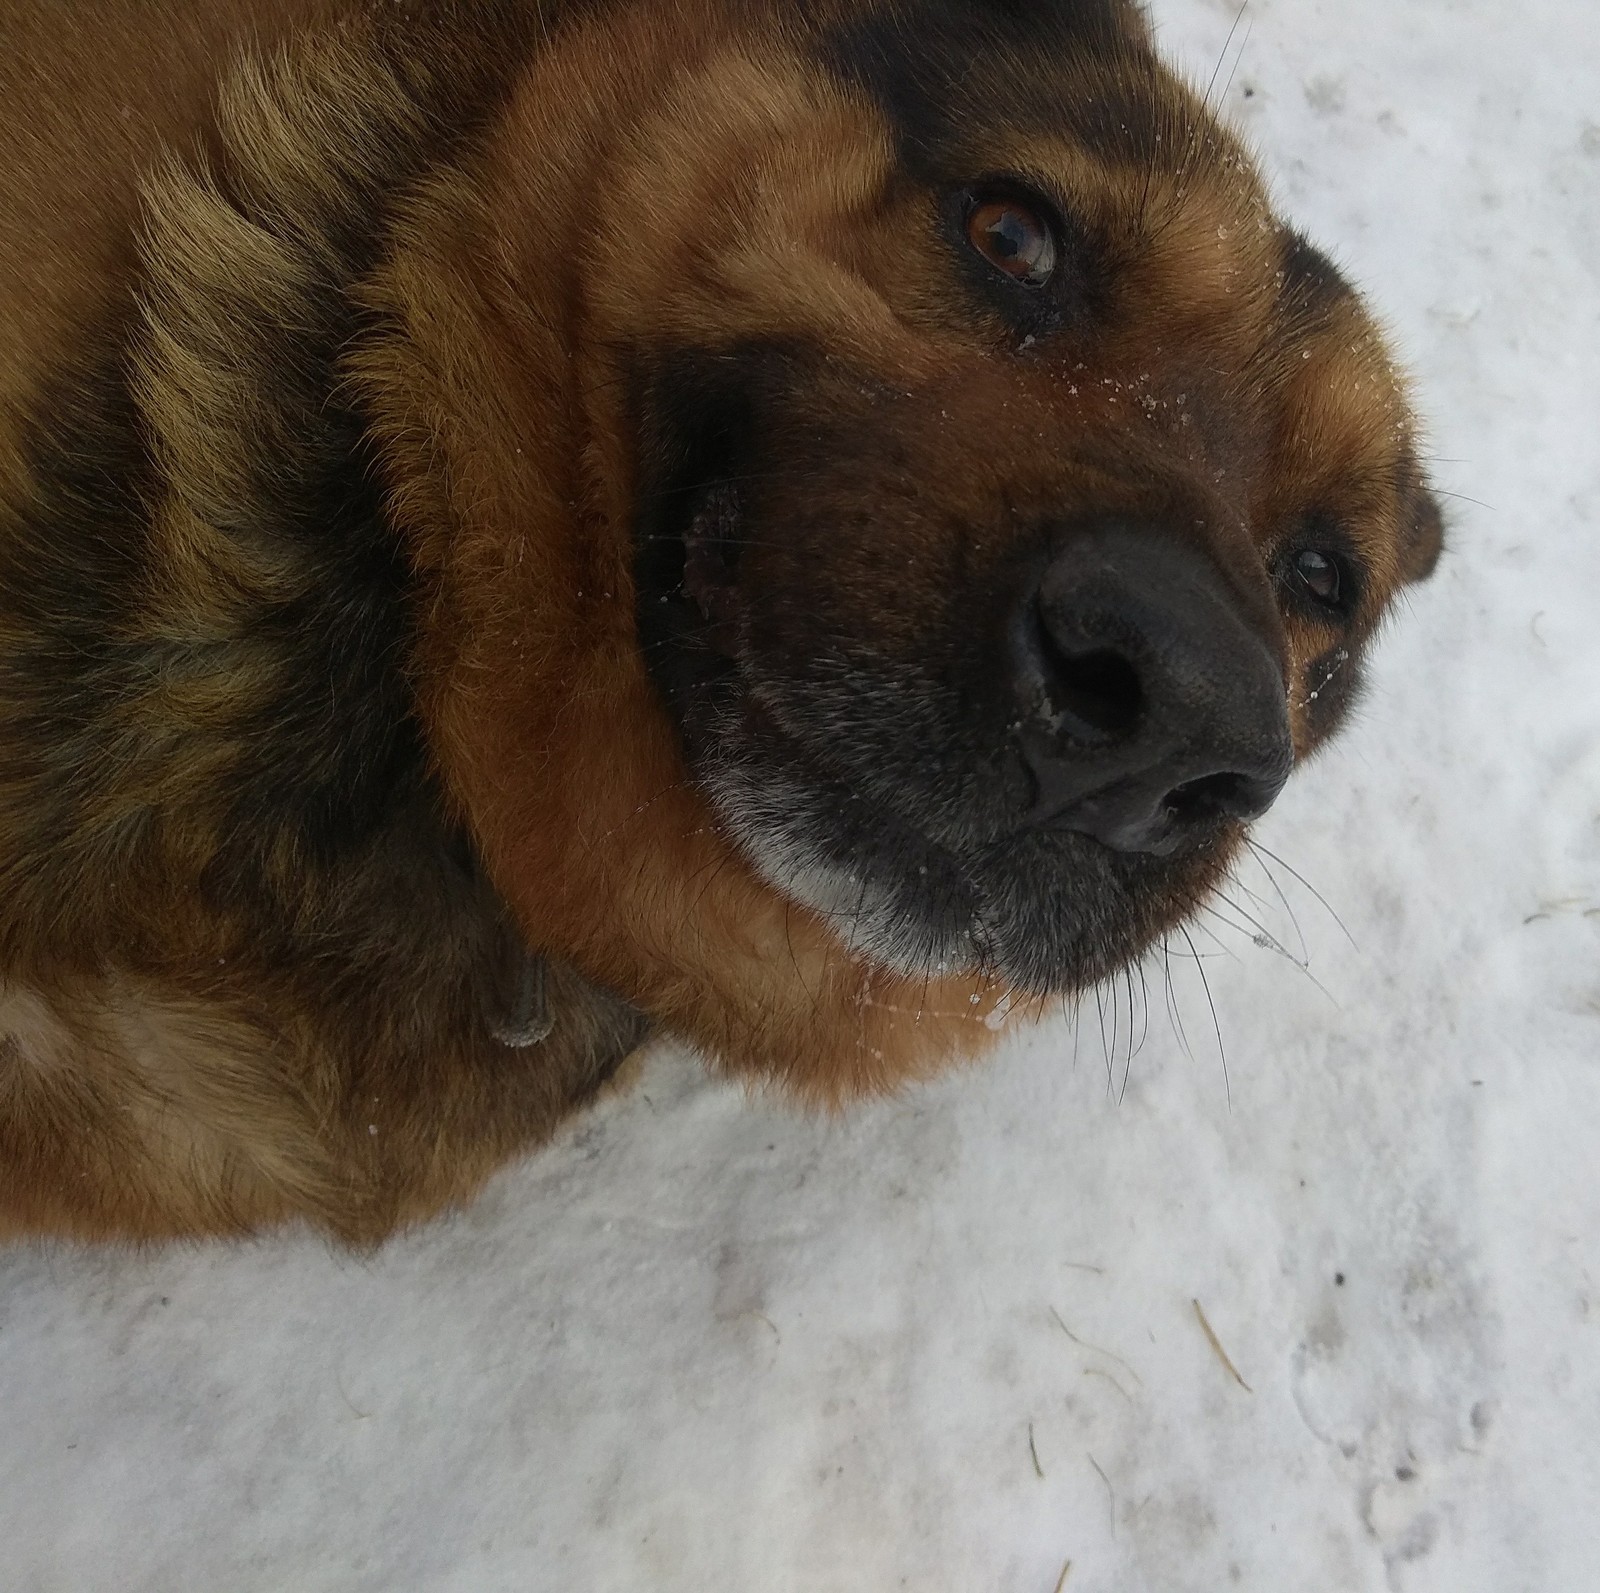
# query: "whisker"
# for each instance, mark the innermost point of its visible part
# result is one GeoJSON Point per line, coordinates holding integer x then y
{"type": "Point", "coordinates": [1295, 874]}
{"type": "Point", "coordinates": [1100, 1005]}
{"type": "Point", "coordinates": [1244, 44]}
{"type": "Point", "coordinates": [1461, 497]}
{"type": "Point", "coordinates": [1216, 1024]}
{"type": "Point", "coordinates": [1259, 934]}
{"type": "Point", "coordinates": [1174, 1011]}
{"type": "Point", "coordinates": [1267, 943]}
{"type": "Point", "coordinates": [1134, 1048]}
{"type": "Point", "coordinates": [1227, 44]}
{"type": "Point", "coordinates": [1294, 919]}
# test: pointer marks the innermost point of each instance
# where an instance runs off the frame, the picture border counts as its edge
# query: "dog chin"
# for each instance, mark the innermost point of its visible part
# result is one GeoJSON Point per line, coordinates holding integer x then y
{"type": "Point", "coordinates": [878, 919]}
{"type": "Point", "coordinates": [1046, 912]}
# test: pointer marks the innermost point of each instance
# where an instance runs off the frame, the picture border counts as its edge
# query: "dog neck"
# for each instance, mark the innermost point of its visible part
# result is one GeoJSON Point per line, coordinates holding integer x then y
{"type": "Point", "coordinates": [241, 724]}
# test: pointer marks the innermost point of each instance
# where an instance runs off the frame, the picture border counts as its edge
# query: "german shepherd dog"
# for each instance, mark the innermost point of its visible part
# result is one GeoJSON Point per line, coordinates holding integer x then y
{"type": "Point", "coordinates": [802, 525]}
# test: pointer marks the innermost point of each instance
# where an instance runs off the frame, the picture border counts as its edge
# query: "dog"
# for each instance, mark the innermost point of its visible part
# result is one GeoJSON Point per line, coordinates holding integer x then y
{"type": "Point", "coordinates": [809, 526]}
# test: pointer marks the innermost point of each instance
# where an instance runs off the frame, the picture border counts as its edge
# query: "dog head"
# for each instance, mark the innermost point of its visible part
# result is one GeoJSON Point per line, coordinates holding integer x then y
{"type": "Point", "coordinates": [1015, 495]}
{"type": "Point", "coordinates": [995, 497]}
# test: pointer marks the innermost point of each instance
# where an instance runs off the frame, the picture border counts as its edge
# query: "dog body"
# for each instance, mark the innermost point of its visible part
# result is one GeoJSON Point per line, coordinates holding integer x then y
{"type": "Point", "coordinates": [799, 526]}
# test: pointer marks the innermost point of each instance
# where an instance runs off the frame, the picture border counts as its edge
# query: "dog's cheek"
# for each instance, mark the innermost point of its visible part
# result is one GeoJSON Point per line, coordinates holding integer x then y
{"type": "Point", "coordinates": [842, 565]}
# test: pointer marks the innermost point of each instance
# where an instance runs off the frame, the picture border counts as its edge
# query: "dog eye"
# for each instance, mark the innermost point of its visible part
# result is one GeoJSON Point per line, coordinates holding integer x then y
{"type": "Point", "coordinates": [1014, 239]}
{"type": "Point", "coordinates": [1320, 576]}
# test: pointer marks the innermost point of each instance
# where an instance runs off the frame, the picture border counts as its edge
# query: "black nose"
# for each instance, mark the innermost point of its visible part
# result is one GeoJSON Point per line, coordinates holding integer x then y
{"type": "Point", "coordinates": [1152, 706]}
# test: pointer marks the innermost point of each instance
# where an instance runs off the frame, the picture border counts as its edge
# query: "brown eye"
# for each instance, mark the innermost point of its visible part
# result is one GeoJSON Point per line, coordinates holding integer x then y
{"type": "Point", "coordinates": [1320, 577]}
{"type": "Point", "coordinates": [1013, 239]}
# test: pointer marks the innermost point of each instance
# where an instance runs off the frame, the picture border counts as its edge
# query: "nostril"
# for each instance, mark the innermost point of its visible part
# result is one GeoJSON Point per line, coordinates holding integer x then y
{"type": "Point", "coordinates": [1097, 691]}
{"type": "Point", "coordinates": [1238, 796]}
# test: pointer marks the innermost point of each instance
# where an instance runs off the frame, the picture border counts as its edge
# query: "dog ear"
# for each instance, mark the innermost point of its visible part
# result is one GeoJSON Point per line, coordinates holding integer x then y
{"type": "Point", "coordinates": [1421, 534]}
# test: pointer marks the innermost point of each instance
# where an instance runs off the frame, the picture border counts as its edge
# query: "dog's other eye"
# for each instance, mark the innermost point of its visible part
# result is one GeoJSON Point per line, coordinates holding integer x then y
{"type": "Point", "coordinates": [1320, 576]}
{"type": "Point", "coordinates": [1013, 239]}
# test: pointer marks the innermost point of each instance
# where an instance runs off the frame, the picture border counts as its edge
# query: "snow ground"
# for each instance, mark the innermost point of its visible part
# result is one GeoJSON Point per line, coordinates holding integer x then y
{"type": "Point", "coordinates": [952, 1343]}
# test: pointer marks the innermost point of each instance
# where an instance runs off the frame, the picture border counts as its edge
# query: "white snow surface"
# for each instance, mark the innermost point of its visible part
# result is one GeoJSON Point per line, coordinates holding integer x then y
{"type": "Point", "coordinates": [951, 1343]}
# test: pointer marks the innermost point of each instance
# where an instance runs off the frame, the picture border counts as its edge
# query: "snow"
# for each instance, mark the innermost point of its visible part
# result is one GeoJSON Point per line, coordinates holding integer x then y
{"type": "Point", "coordinates": [952, 1342]}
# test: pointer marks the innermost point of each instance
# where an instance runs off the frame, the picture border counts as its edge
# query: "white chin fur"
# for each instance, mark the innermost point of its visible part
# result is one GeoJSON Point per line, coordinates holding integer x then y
{"type": "Point", "coordinates": [765, 824]}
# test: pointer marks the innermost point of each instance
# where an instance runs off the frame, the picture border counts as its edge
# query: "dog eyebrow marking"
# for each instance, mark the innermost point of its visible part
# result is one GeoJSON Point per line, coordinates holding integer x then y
{"type": "Point", "coordinates": [1312, 284]}
{"type": "Point", "coordinates": [930, 67]}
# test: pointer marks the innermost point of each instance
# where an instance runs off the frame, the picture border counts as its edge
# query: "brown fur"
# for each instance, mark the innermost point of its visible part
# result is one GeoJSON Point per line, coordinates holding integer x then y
{"type": "Point", "coordinates": [322, 704]}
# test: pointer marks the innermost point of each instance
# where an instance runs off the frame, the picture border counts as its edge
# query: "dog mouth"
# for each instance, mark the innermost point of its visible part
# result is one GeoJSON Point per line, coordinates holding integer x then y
{"type": "Point", "coordinates": [692, 613]}
{"type": "Point", "coordinates": [886, 889]}
{"type": "Point", "coordinates": [859, 833]}
{"type": "Point", "coordinates": [710, 545]}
